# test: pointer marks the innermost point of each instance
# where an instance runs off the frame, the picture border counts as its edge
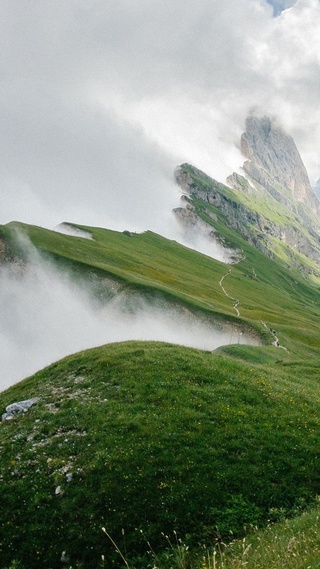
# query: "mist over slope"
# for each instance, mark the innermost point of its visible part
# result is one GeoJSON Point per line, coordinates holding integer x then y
{"type": "Point", "coordinates": [47, 314]}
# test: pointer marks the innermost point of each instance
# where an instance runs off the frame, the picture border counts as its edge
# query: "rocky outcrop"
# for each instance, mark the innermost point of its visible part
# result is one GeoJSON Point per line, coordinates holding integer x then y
{"type": "Point", "coordinates": [275, 163]}
{"type": "Point", "coordinates": [257, 229]}
{"type": "Point", "coordinates": [189, 216]}
{"type": "Point", "coordinates": [273, 174]}
{"type": "Point", "coordinates": [8, 253]}
{"type": "Point", "coordinates": [18, 408]}
{"type": "Point", "coordinates": [237, 215]}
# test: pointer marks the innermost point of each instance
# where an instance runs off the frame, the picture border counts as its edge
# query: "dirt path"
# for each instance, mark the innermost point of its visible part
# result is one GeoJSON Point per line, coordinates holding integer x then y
{"type": "Point", "coordinates": [236, 301]}
{"type": "Point", "coordinates": [275, 342]}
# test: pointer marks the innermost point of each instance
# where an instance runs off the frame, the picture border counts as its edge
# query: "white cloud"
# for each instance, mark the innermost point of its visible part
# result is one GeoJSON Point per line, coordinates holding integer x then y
{"type": "Point", "coordinates": [102, 99]}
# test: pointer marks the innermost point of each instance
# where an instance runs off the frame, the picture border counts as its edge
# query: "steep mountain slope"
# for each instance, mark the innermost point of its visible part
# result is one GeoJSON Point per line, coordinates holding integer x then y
{"type": "Point", "coordinates": [274, 160]}
{"type": "Point", "coordinates": [157, 437]}
{"type": "Point", "coordinates": [272, 204]}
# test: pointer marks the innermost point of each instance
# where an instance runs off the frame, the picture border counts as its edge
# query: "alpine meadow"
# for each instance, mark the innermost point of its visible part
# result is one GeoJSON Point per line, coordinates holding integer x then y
{"type": "Point", "coordinates": [150, 454]}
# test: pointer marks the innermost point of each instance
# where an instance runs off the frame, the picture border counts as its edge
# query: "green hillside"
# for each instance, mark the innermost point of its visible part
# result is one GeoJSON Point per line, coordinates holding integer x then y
{"type": "Point", "coordinates": [293, 543]}
{"type": "Point", "coordinates": [148, 439]}
{"type": "Point", "coordinates": [266, 290]}
{"type": "Point", "coordinates": [157, 438]}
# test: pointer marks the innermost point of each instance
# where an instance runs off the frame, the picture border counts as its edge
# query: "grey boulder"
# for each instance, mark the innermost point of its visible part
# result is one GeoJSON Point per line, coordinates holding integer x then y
{"type": "Point", "coordinates": [18, 408]}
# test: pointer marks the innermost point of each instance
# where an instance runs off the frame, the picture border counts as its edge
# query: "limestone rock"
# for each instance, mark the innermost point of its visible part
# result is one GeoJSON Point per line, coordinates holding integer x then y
{"type": "Point", "coordinates": [18, 408]}
{"type": "Point", "coordinates": [259, 230]}
{"type": "Point", "coordinates": [317, 189]}
{"type": "Point", "coordinates": [275, 163]}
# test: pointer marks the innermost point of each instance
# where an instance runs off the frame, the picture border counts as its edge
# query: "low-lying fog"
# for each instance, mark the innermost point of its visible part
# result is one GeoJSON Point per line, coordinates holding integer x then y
{"type": "Point", "coordinates": [46, 315]}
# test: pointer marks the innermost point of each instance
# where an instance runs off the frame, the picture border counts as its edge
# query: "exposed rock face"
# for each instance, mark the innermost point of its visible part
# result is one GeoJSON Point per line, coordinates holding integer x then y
{"type": "Point", "coordinates": [189, 216]}
{"type": "Point", "coordinates": [7, 252]}
{"type": "Point", "coordinates": [237, 215]}
{"type": "Point", "coordinates": [259, 230]}
{"type": "Point", "coordinates": [274, 160]}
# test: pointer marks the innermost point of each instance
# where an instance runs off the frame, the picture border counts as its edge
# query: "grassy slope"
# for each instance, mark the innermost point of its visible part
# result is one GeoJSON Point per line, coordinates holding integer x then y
{"type": "Point", "coordinates": [294, 544]}
{"type": "Point", "coordinates": [161, 437]}
{"type": "Point", "coordinates": [158, 438]}
{"type": "Point", "coordinates": [266, 290]}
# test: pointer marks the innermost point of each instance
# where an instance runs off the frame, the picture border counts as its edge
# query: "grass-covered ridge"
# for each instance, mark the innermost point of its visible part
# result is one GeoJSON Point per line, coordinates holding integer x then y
{"type": "Point", "coordinates": [155, 437]}
{"type": "Point", "coordinates": [267, 291]}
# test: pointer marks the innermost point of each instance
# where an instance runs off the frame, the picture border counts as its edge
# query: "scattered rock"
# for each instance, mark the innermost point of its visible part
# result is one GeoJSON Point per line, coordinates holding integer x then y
{"type": "Point", "coordinates": [79, 379]}
{"type": "Point", "coordinates": [51, 407]}
{"type": "Point", "coordinates": [18, 408]}
{"type": "Point", "coordinates": [65, 559]}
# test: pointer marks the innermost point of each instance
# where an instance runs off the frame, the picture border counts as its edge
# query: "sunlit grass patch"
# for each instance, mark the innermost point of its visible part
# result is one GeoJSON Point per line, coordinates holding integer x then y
{"type": "Point", "coordinates": [293, 544]}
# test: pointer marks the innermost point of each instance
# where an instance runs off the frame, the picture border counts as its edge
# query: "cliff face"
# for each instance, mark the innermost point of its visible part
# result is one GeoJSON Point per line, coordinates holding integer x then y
{"type": "Point", "coordinates": [260, 230]}
{"type": "Point", "coordinates": [237, 215]}
{"type": "Point", "coordinates": [273, 205]}
{"type": "Point", "coordinates": [274, 161]}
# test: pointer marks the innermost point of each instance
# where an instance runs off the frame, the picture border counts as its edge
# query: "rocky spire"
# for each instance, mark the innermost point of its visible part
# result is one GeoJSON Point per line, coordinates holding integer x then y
{"type": "Point", "coordinates": [274, 161]}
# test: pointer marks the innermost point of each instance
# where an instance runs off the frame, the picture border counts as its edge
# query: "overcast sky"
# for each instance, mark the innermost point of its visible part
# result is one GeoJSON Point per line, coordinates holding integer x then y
{"type": "Point", "coordinates": [101, 100]}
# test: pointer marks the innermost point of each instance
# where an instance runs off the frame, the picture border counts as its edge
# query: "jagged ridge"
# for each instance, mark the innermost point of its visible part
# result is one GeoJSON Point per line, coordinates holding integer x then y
{"type": "Point", "coordinates": [272, 205]}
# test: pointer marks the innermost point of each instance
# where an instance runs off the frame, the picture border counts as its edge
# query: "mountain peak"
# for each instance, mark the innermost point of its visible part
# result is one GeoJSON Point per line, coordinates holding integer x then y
{"type": "Point", "coordinates": [274, 161]}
